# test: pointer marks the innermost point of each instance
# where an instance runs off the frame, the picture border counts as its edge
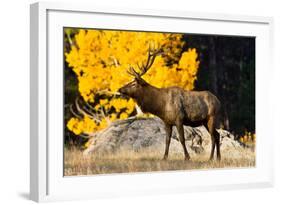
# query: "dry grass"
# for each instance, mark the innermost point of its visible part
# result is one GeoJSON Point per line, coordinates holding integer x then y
{"type": "Point", "coordinates": [127, 161]}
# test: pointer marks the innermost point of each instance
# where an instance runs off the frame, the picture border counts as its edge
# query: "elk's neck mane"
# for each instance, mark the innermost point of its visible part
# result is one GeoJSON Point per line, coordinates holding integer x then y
{"type": "Point", "coordinates": [149, 100]}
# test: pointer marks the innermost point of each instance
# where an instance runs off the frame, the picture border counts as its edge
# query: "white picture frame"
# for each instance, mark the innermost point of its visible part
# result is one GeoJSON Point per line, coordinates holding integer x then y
{"type": "Point", "coordinates": [47, 182]}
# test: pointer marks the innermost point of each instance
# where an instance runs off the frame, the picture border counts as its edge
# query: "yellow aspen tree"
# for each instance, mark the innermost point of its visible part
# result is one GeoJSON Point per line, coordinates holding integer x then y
{"type": "Point", "coordinates": [100, 59]}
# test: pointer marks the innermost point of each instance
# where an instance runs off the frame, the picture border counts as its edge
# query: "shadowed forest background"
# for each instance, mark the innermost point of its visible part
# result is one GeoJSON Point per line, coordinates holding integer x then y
{"type": "Point", "coordinates": [226, 68]}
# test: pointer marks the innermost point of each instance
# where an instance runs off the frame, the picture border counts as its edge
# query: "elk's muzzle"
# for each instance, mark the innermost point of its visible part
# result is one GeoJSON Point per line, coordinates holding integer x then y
{"type": "Point", "coordinates": [122, 91]}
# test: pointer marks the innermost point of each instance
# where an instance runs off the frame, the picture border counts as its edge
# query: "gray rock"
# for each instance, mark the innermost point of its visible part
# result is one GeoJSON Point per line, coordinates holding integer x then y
{"type": "Point", "coordinates": [138, 134]}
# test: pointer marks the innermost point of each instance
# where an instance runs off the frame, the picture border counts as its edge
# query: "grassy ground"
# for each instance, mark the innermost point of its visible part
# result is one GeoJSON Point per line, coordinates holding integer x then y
{"type": "Point", "coordinates": [77, 164]}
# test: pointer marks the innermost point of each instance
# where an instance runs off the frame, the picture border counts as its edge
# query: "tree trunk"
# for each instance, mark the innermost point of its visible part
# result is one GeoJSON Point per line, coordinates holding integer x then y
{"type": "Point", "coordinates": [213, 65]}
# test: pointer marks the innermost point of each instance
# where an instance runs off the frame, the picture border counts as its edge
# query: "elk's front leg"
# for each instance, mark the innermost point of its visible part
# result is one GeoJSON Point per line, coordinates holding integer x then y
{"type": "Point", "coordinates": [182, 139]}
{"type": "Point", "coordinates": [168, 129]}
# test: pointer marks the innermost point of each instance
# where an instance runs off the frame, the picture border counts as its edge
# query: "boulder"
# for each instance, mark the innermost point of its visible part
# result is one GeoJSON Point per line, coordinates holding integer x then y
{"type": "Point", "coordinates": [142, 134]}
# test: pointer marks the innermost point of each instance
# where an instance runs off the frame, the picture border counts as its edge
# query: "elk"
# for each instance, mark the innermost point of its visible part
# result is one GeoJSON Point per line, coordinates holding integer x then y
{"type": "Point", "coordinates": [175, 106]}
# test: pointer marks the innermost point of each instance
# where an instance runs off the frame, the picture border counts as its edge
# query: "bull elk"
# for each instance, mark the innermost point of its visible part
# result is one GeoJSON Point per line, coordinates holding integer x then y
{"type": "Point", "coordinates": [175, 106]}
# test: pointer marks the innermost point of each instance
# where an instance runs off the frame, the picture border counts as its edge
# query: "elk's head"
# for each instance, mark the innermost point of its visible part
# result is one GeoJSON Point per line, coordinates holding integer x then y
{"type": "Point", "coordinates": [134, 88]}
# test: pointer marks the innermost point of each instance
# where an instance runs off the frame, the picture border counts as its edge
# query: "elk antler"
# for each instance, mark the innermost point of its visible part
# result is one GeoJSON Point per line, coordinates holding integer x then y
{"type": "Point", "coordinates": [152, 53]}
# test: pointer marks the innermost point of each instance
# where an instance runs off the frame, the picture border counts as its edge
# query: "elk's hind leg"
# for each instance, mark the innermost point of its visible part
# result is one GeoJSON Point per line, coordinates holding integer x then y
{"type": "Point", "coordinates": [168, 140]}
{"type": "Point", "coordinates": [182, 139]}
{"type": "Point", "coordinates": [217, 138]}
{"type": "Point", "coordinates": [211, 129]}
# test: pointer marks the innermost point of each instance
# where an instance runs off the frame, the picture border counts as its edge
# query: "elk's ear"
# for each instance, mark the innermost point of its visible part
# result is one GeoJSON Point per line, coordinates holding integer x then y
{"type": "Point", "coordinates": [141, 81]}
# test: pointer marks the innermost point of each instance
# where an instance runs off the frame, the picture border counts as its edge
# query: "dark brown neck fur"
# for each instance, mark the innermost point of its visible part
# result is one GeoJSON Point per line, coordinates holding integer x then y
{"type": "Point", "coordinates": [149, 100]}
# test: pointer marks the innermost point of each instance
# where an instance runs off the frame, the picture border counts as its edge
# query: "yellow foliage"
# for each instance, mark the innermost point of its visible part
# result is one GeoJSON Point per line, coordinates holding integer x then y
{"type": "Point", "coordinates": [72, 124]}
{"type": "Point", "coordinates": [123, 115]}
{"type": "Point", "coordinates": [100, 60]}
{"type": "Point", "coordinates": [86, 125]}
{"type": "Point", "coordinates": [248, 138]}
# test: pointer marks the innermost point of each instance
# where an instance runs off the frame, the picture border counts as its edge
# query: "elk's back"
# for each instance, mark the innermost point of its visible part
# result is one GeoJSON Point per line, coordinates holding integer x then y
{"type": "Point", "coordinates": [199, 105]}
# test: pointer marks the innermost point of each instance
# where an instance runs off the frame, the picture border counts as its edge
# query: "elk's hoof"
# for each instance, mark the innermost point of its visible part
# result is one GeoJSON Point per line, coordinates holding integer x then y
{"type": "Point", "coordinates": [187, 158]}
{"type": "Point", "coordinates": [211, 159]}
{"type": "Point", "coordinates": [165, 158]}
